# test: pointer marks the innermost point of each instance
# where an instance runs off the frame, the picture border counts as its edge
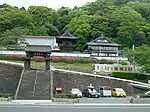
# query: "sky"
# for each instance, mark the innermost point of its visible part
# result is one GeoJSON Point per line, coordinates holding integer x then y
{"type": "Point", "coordinates": [55, 4]}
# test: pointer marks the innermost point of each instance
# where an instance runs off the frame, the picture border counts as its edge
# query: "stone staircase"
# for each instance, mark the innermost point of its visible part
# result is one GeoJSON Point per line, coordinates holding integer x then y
{"type": "Point", "coordinates": [34, 86]}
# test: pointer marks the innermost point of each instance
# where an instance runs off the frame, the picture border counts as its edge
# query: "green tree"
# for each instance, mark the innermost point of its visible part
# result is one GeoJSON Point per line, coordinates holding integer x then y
{"type": "Point", "coordinates": [13, 37]}
{"type": "Point", "coordinates": [64, 18]}
{"type": "Point", "coordinates": [41, 15]}
{"type": "Point", "coordinates": [126, 26]}
{"type": "Point", "coordinates": [142, 8]}
{"type": "Point", "coordinates": [99, 26]}
{"type": "Point", "coordinates": [40, 31]}
{"type": "Point", "coordinates": [81, 28]}
{"type": "Point", "coordinates": [141, 56]}
{"type": "Point", "coordinates": [100, 7]}
{"type": "Point", "coordinates": [15, 18]}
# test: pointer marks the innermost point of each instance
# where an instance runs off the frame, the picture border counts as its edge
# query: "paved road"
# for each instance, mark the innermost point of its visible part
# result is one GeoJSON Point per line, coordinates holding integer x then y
{"type": "Point", "coordinates": [74, 108]}
{"type": "Point", "coordinates": [111, 100]}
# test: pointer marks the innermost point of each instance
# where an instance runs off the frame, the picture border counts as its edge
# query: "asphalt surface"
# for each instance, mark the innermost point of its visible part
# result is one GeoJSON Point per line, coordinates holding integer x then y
{"type": "Point", "coordinates": [103, 100]}
{"type": "Point", "coordinates": [75, 108]}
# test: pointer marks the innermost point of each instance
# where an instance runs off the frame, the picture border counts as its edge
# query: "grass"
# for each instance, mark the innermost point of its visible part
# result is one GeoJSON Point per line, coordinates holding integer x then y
{"type": "Point", "coordinates": [42, 64]}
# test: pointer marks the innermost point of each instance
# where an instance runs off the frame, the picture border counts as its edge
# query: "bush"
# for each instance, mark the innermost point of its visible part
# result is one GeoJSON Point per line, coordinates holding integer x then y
{"type": "Point", "coordinates": [130, 76]}
{"type": "Point", "coordinates": [123, 63]}
{"type": "Point", "coordinates": [104, 61]}
{"type": "Point", "coordinates": [38, 59]}
{"type": "Point", "coordinates": [14, 57]}
{"type": "Point", "coordinates": [1, 56]}
{"type": "Point", "coordinates": [94, 60]}
{"type": "Point", "coordinates": [55, 59]}
{"type": "Point", "coordinates": [63, 59]}
{"type": "Point", "coordinates": [8, 57]}
{"type": "Point", "coordinates": [69, 60]}
{"type": "Point", "coordinates": [21, 57]}
{"type": "Point", "coordinates": [68, 96]}
{"type": "Point", "coordinates": [4, 95]}
{"type": "Point", "coordinates": [123, 75]}
{"type": "Point", "coordinates": [82, 60]}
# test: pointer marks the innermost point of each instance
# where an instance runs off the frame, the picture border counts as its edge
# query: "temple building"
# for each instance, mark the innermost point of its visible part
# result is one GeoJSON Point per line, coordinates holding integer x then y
{"type": "Point", "coordinates": [102, 47]}
{"type": "Point", "coordinates": [66, 42]}
{"type": "Point", "coordinates": [63, 43]}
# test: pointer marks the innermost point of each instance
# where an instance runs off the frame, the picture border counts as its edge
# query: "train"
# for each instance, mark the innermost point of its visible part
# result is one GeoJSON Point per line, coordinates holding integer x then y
{"type": "Point", "coordinates": [109, 68]}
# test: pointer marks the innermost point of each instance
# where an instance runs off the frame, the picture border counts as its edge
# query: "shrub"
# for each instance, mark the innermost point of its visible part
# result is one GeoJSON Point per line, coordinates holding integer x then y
{"type": "Point", "coordinates": [123, 75]}
{"type": "Point", "coordinates": [38, 58]}
{"type": "Point", "coordinates": [55, 59]}
{"type": "Point", "coordinates": [4, 95]}
{"type": "Point", "coordinates": [1, 56]}
{"type": "Point", "coordinates": [110, 62]}
{"type": "Point", "coordinates": [69, 60]}
{"type": "Point", "coordinates": [8, 57]}
{"type": "Point", "coordinates": [82, 60]}
{"type": "Point", "coordinates": [123, 63]}
{"type": "Point", "coordinates": [68, 96]}
{"type": "Point", "coordinates": [14, 57]}
{"type": "Point", "coordinates": [130, 76]}
{"type": "Point", "coordinates": [93, 60]}
{"type": "Point", "coordinates": [21, 57]}
{"type": "Point", "coordinates": [103, 61]}
{"type": "Point", "coordinates": [63, 59]}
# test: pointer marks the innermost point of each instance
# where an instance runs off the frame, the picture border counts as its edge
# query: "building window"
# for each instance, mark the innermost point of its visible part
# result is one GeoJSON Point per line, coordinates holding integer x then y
{"type": "Point", "coordinates": [121, 68]}
{"type": "Point", "coordinates": [130, 69]}
{"type": "Point", "coordinates": [116, 68]}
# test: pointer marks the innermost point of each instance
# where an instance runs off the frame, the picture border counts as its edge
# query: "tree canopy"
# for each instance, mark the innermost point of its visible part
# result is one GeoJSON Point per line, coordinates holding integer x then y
{"type": "Point", "coordinates": [124, 21]}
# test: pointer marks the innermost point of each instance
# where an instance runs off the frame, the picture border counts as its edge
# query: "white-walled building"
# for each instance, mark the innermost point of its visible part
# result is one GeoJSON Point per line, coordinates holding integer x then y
{"type": "Point", "coordinates": [43, 40]}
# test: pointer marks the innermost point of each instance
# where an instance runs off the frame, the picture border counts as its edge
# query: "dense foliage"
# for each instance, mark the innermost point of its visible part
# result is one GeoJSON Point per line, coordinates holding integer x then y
{"type": "Point", "coordinates": [140, 56]}
{"type": "Point", "coordinates": [124, 21]}
{"type": "Point", "coordinates": [131, 76]}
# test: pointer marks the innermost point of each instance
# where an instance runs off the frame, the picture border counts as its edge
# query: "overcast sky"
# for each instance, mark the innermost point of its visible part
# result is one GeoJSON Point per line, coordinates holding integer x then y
{"type": "Point", "coordinates": [55, 4]}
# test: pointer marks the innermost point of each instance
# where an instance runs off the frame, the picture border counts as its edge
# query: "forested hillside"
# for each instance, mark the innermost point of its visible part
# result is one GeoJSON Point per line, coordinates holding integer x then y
{"type": "Point", "coordinates": [124, 21]}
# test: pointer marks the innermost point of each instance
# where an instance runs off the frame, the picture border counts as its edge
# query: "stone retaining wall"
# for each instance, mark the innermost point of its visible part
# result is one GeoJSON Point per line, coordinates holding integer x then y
{"type": "Point", "coordinates": [9, 77]}
{"type": "Point", "coordinates": [66, 81]}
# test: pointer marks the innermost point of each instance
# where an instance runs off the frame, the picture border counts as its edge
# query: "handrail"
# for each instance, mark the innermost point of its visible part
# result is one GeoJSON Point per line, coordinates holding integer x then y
{"type": "Point", "coordinates": [35, 82]}
{"type": "Point", "coordinates": [19, 84]}
{"type": "Point", "coordinates": [12, 63]}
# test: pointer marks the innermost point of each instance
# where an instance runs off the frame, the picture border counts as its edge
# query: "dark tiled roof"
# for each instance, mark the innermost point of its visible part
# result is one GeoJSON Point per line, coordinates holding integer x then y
{"type": "Point", "coordinates": [38, 48]}
{"type": "Point", "coordinates": [67, 35]}
{"type": "Point", "coordinates": [108, 42]}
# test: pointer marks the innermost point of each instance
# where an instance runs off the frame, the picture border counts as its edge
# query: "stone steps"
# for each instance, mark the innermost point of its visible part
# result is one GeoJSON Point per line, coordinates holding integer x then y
{"type": "Point", "coordinates": [34, 86]}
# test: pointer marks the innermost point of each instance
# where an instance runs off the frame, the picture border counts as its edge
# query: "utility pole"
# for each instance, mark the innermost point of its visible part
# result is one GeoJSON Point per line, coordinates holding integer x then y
{"type": "Point", "coordinates": [133, 47]}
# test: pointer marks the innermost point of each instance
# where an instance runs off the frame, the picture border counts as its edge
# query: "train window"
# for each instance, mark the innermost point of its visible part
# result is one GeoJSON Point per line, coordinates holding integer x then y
{"type": "Point", "coordinates": [116, 68]}
{"type": "Point", "coordinates": [93, 67]}
{"type": "Point", "coordinates": [107, 68]}
{"type": "Point", "coordinates": [125, 69]}
{"type": "Point", "coordinates": [129, 69]}
{"type": "Point", "coordinates": [121, 68]}
{"type": "Point", "coordinates": [97, 67]}
{"type": "Point", "coordinates": [112, 68]}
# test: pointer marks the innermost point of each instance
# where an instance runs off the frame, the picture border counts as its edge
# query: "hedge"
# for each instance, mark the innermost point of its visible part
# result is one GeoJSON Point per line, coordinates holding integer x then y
{"type": "Point", "coordinates": [68, 96]}
{"type": "Point", "coordinates": [131, 76]}
{"type": "Point", "coordinates": [4, 95]}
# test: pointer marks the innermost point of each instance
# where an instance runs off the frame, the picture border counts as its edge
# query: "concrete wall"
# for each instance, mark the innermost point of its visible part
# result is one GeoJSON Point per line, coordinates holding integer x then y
{"type": "Point", "coordinates": [9, 77]}
{"type": "Point", "coordinates": [69, 80]}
